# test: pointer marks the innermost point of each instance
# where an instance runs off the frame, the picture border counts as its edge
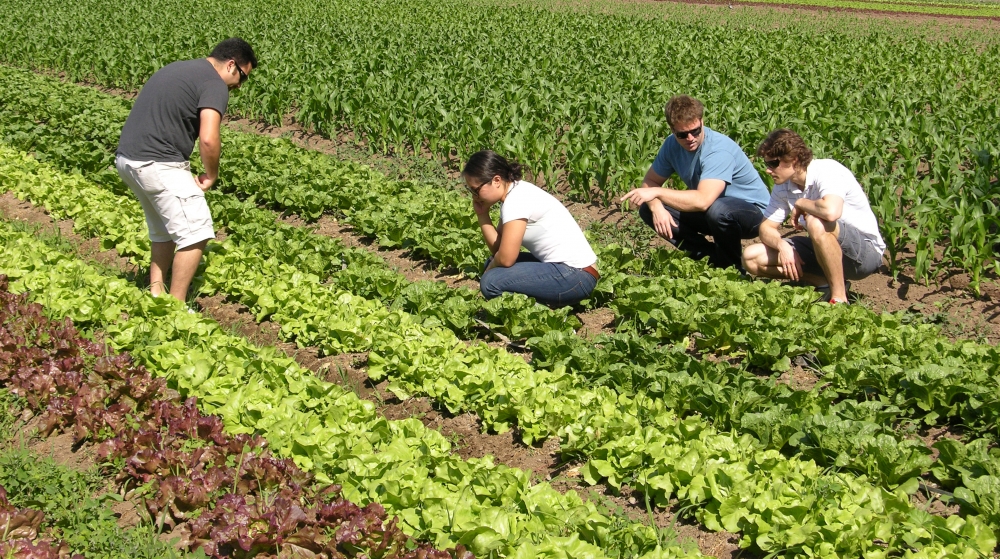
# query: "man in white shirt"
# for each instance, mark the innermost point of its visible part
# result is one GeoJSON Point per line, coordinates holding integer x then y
{"type": "Point", "coordinates": [822, 197]}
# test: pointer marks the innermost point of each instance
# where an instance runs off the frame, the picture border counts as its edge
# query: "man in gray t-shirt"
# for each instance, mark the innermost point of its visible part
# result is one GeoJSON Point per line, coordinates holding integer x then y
{"type": "Point", "coordinates": [180, 103]}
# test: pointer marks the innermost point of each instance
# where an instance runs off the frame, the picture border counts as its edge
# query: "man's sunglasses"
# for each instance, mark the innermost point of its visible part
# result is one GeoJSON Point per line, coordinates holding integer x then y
{"type": "Point", "coordinates": [772, 163]}
{"type": "Point", "coordinates": [243, 76]}
{"type": "Point", "coordinates": [693, 132]}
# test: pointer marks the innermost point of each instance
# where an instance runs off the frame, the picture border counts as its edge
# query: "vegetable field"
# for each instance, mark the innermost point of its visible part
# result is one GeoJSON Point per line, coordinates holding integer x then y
{"type": "Point", "coordinates": [683, 402]}
{"type": "Point", "coordinates": [579, 97]}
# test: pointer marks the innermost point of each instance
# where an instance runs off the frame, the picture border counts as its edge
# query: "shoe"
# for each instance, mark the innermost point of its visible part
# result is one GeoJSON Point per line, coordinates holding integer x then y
{"type": "Point", "coordinates": [836, 302]}
{"type": "Point", "coordinates": [824, 292]}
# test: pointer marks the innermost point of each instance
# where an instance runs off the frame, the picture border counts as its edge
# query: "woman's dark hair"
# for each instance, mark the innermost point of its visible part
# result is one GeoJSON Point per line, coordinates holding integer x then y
{"type": "Point", "coordinates": [786, 145]}
{"type": "Point", "coordinates": [236, 49]}
{"type": "Point", "coordinates": [486, 164]}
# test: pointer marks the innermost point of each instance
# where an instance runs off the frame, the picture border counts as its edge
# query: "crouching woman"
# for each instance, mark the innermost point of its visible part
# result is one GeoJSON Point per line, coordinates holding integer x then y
{"type": "Point", "coordinates": [559, 267]}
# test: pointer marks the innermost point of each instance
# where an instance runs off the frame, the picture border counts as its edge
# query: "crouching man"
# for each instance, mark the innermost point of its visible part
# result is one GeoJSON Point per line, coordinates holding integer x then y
{"type": "Point", "coordinates": [822, 197]}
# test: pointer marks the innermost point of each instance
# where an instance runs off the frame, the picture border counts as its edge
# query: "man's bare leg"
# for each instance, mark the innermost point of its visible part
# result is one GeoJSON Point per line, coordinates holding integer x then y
{"type": "Point", "coordinates": [762, 260]}
{"type": "Point", "coordinates": [829, 254]}
{"type": "Point", "coordinates": [162, 256]}
{"type": "Point", "coordinates": [186, 262]}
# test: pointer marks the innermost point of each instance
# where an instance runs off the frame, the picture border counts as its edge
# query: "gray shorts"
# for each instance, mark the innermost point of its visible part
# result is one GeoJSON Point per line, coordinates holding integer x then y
{"type": "Point", "coordinates": [861, 257]}
{"type": "Point", "coordinates": [174, 205]}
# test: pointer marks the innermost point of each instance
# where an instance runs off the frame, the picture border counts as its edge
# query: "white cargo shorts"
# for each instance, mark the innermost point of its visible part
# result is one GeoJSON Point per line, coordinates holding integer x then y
{"type": "Point", "coordinates": [175, 207]}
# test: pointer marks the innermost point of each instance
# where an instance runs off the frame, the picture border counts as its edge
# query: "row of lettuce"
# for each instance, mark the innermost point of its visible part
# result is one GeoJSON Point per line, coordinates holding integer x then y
{"type": "Point", "coordinates": [640, 438]}
{"type": "Point", "coordinates": [905, 372]}
{"type": "Point", "coordinates": [219, 495]}
{"type": "Point", "coordinates": [330, 432]}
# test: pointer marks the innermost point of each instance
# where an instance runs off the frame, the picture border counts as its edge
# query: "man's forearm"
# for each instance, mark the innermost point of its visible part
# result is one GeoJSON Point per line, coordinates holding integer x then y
{"type": "Point", "coordinates": [682, 200]}
{"type": "Point", "coordinates": [819, 208]}
{"type": "Point", "coordinates": [210, 153]}
{"type": "Point", "coordinates": [770, 237]}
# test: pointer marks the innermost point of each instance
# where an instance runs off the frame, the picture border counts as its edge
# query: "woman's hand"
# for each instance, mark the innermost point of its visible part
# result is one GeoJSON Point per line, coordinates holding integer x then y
{"type": "Point", "coordinates": [481, 208]}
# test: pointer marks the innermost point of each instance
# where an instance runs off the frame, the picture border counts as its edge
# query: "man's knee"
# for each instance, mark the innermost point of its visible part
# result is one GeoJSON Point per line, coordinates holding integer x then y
{"type": "Point", "coordinates": [731, 217]}
{"type": "Point", "coordinates": [817, 227]}
{"type": "Point", "coordinates": [752, 256]}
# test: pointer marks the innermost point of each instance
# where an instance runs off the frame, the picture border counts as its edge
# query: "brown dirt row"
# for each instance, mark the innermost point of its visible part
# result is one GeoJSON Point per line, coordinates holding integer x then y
{"type": "Point", "coordinates": [465, 431]}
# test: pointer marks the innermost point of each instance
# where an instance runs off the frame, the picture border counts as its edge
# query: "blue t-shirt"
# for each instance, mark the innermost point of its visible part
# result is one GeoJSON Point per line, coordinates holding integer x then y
{"type": "Point", "coordinates": [718, 157]}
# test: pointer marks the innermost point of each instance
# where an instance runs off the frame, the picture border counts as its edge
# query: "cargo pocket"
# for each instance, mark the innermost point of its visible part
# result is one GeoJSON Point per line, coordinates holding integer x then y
{"type": "Point", "coordinates": [196, 213]}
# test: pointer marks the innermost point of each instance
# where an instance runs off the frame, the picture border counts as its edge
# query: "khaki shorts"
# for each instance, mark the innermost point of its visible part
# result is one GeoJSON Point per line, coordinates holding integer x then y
{"type": "Point", "coordinates": [175, 207]}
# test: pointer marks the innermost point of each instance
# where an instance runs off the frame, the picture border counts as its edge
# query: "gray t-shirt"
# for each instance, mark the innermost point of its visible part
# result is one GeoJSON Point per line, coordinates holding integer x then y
{"type": "Point", "coordinates": [165, 119]}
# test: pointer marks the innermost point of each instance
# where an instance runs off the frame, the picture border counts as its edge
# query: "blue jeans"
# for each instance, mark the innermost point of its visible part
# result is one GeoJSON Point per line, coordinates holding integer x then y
{"type": "Point", "coordinates": [727, 220]}
{"type": "Point", "coordinates": [552, 284]}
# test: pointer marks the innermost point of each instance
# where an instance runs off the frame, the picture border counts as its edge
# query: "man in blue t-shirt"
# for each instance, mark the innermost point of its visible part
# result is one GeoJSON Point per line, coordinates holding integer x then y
{"type": "Point", "coordinates": [725, 196]}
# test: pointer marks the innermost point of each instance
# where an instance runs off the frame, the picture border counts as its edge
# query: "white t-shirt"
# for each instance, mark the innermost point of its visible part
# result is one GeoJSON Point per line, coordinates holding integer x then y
{"type": "Point", "coordinates": [823, 177]}
{"type": "Point", "coordinates": [552, 235]}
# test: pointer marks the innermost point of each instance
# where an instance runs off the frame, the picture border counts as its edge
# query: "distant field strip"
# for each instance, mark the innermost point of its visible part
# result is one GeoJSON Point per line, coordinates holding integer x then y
{"type": "Point", "coordinates": [954, 9]}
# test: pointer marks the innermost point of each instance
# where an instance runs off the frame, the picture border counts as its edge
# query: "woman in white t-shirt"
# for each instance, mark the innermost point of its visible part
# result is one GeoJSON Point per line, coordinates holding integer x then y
{"type": "Point", "coordinates": [559, 267]}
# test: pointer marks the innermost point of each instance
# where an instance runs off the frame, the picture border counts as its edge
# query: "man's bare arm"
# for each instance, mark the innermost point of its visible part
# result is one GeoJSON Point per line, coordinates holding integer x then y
{"type": "Point", "coordinates": [827, 208]}
{"type": "Point", "coordinates": [210, 146]}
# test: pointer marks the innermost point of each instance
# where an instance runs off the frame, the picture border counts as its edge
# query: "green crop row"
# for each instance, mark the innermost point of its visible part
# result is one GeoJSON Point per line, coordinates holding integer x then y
{"type": "Point", "coordinates": [400, 464]}
{"type": "Point", "coordinates": [864, 352]}
{"type": "Point", "coordinates": [915, 117]}
{"type": "Point", "coordinates": [547, 400]}
{"type": "Point", "coordinates": [769, 338]}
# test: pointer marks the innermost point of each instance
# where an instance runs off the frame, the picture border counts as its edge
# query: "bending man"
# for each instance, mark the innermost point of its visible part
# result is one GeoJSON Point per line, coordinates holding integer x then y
{"type": "Point", "coordinates": [725, 195]}
{"type": "Point", "coordinates": [181, 102]}
{"type": "Point", "coordinates": [822, 197]}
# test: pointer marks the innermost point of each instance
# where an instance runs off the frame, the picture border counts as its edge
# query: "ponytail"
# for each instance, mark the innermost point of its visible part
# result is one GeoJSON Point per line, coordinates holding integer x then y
{"type": "Point", "coordinates": [486, 164]}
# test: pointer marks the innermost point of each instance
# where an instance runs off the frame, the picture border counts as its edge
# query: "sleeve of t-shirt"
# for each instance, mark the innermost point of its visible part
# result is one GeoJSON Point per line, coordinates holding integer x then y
{"type": "Point", "coordinates": [662, 165]}
{"type": "Point", "coordinates": [717, 165]}
{"type": "Point", "coordinates": [836, 180]}
{"type": "Point", "coordinates": [215, 95]}
{"type": "Point", "coordinates": [515, 207]}
{"type": "Point", "coordinates": [777, 206]}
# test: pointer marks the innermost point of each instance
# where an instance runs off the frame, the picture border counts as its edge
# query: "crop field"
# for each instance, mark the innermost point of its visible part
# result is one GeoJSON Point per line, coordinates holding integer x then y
{"type": "Point", "coordinates": [955, 8]}
{"type": "Point", "coordinates": [914, 116]}
{"type": "Point", "coordinates": [240, 450]}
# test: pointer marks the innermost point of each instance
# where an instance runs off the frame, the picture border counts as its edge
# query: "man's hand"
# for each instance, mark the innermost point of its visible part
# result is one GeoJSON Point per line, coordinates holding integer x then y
{"type": "Point", "coordinates": [789, 262]}
{"type": "Point", "coordinates": [797, 216]}
{"type": "Point", "coordinates": [663, 222]}
{"type": "Point", "coordinates": [640, 196]}
{"type": "Point", "coordinates": [204, 182]}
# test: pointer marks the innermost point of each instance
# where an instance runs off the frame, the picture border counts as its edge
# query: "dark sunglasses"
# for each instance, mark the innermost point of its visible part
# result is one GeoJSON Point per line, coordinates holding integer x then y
{"type": "Point", "coordinates": [772, 163]}
{"type": "Point", "coordinates": [243, 76]}
{"type": "Point", "coordinates": [693, 132]}
{"type": "Point", "coordinates": [475, 191]}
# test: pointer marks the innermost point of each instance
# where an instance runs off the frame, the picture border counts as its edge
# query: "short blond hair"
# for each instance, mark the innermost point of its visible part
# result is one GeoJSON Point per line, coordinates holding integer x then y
{"type": "Point", "coordinates": [681, 109]}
